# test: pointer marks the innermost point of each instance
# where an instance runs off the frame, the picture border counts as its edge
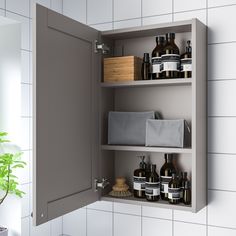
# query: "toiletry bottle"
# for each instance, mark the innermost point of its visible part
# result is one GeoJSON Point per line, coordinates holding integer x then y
{"type": "Point", "coordinates": [174, 190]}
{"type": "Point", "coordinates": [166, 174]}
{"type": "Point", "coordinates": [182, 181]}
{"type": "Point", "coordinates": [186, 62]}
{"type": "Point", "coordinates": [152, 185]}
{"type": "Point", "coordinates": [139, 179]}
{"type": "Point", "coordinates": [187, 193]}
{"type": "Point", "coordinates": [170, 58]}
{"type": "Point", "coordinates": [146, 67]}
{"type": "Point", "coordinates": [156, 57]}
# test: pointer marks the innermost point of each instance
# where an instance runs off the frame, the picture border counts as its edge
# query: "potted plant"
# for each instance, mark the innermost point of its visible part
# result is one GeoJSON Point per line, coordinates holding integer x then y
{"type": "Point", "coordinates": [10, 161]}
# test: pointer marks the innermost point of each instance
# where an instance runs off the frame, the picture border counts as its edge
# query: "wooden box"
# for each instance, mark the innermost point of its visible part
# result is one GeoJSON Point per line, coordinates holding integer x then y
{"type": "Point", "coordinates": [127, 68]}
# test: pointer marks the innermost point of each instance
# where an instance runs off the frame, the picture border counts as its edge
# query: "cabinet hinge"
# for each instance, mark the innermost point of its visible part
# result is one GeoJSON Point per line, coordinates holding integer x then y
{"type": "Point", "coordinates": [100, 184]}
{"type": "Point", "coordinates": [101, 47]}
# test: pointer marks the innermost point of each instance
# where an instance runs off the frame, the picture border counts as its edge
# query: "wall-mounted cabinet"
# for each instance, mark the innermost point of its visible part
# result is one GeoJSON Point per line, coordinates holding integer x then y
{"type": "Point", "coordinates": [71, 105]}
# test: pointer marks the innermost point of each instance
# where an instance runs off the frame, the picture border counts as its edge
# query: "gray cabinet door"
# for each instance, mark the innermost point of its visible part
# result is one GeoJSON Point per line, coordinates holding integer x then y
{"type": "Point", "coordinates": [65, 118]}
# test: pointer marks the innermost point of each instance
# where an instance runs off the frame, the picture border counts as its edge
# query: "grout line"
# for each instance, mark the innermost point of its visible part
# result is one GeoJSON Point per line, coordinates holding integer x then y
{"type": "Point", "coordinates": [173, 232]}
{"type": "Point", "coordinates": [113, 220]}
{"type": "Point", "coordinates": [222, 227]}
{"type": "Point", "coordinates": [186, 11]}
{"type": "Point", "coordinates": [223, 42]}
{"type": "Point", "coordinates": [187, 222]}
{"type": "Point", "coordinates": [227, 5]}
{"type": "Point", "coordinates": [141, 220]}
{"type": "Point", "coordinates": [221, 116]}
{"type": "Point", "coordinates": [222, 190]}
{"type": "Point", "coordinates": [222, 153]}
{"type": "Point", "coordinates": [172, 10]}
{"type": "Point", "coordinates": [141, 12]}
{"type": "Point", "coordinates": [86, 221]}
{"type": "Point", "coordinates": [15, 13]}
{"type": "Point", "coordinates": [215, 80]}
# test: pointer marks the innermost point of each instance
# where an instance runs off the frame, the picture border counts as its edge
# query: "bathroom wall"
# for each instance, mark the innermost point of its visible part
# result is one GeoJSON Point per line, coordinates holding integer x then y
{"type": "Point", "coordinates": [105, 218]}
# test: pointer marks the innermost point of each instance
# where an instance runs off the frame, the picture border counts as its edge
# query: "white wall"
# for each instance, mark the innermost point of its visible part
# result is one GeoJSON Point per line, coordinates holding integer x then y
{"type": "Point", "coordinates": [109, 219]}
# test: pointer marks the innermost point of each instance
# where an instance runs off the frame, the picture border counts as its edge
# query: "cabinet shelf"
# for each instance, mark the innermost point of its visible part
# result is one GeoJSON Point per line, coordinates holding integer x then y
{"type": "Point", "coordinates": [146, 149]}
{"type": "Point", "coordinates": [145, 83]}
{"type": "Point", "coordinates": [143, 202]}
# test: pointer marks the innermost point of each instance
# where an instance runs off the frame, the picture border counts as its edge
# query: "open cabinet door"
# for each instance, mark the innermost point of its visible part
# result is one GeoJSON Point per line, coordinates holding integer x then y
{"type": "Point", "coordinates": [65, 118]}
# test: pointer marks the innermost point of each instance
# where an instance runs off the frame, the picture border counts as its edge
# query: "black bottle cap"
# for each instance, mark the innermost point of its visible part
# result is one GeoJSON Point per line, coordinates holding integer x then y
{"type": "Point", "coordinates": [169, 157]}
{"type": "Point", "coordinates": [188, 48]}
{"type": "Point", "coordinates": [146, 57]}
{"type": "Point", "coordinates": [142, 164]}
{"type": "Point", "coordinates": [160, 39]}
{"type": "Point", "coordinates": [153, 167]}
{"type": "Point", "coordinates": [170, 36]}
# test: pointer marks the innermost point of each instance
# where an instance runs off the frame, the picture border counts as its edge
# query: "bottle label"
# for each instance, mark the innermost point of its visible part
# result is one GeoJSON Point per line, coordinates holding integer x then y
{"type": "Point", "coordinates": [170, 62]}
{"type": "Point", "coordinates": [152, 188]}
{"type": "Point", "coordinates": [186, 64]}
{"type": "Point", "coordinates": [156, 65]}
{"type": "Point", "coordinates": [139, 183]}
{"type": "Point", "coordinates": [174, 193]}
{"type": "Point", "coordinates": [165, 183]}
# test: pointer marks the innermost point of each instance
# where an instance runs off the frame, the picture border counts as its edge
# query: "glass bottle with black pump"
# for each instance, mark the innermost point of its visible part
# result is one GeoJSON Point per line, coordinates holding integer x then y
{"type": "Point", "coordinates": [156, 57]}
{"type": "Point", "coordinates": [174, 190]}
{"type": "Point", "coordinates": [166, 175]}
{"type": "Point", "coordinates": [186, 62]}
{"type": "Point", "coordinates": [146, 67]}
{"type": "Point", "coordinates": [182, 181]}
{"type": "Point", "coordinates": [187, 193]}
{"type": "Point", "coordinates": [170, 58]}
{"type": "Point", "coordinates": [139, 179]}
{"type": "Point", "coordinates": [152, 186]}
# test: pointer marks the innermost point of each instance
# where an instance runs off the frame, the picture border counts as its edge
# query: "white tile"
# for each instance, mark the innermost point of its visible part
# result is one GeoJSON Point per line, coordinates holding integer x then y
{"type": "Point", "coordinates": [222, 208]}
{"type": "Point", "coordinates": [216, 3]}
{"type": "Point", "coordinates": [188, 5]}
{"type": "Point", "coordinates": [30, 68]}
{"type": "Point", "coordinates": [154, 227]}
{"type": "Point", "coordinates": [2, 12]}
{"type": "Point", "coordinates": [156, 7]}
{"type": "Point", "coordinates": [157, 212]}
{"type": "Point", "coordinates": [221, 98]}
{"type": "Point", "coordinates": [2, 4]}
{"type": "Point", "coordinates": [74, 223]}
{"type": "Point", "coordinates": [25, 103]}
{"type": "Point", "coordinates": [41, 230]}
{"type": "Point", "coordinates": [23, 173]}
{"type": "Point", "coordinates": [216, 231]}
{"type": "Point", "coordinates": [103, 27]}
{"type": "Point", "coordinates": [57, 5]}
{"type": "Point", "coordinates": [31, 35]}
{"type": "Point", "coordinates": [101, 205]}
{"type": "Point", "coordinates": [190, 217]}
{"type": "Point", "coordinates": [24, 28]}
{"type": "Point", "coordinates": [25, 62]}
{"type": "Point", "coordinates": [75, 9]}
{"type": "Point", "coordinates": [222, 135]}
{"type": "Point", "coordinates": [99, 223]}
{"type": "Point", "coordinates": [99, 11]}
{"type": "Point", "coordinates": [220, 28]}
{"type": "Point", "coordinates": [20, 7]}
{"type": "Point", "coordinates": [31, 133]}
{"type": "Point", "coordinates": [200, 15]}
{"type": "Point", "coordinates": [127, 225]}
{"type": "Point", "coordinates": [181, 229]}
{"type": "Point", "coordinates": [25, 226]}
{"type": "Point", "coordinates": [25, 133]}
{"type": "Point", "coordinates": [31, 166]}
{"type": "Point", "coordinates": [127, 208]}
{"type": "Point", "coordinates": [157, 19]}
{"type": "Point", "coordinates": [56, 227]}
{"type": "Point", "coordinates": [124, 9]}
{"type": "Point", "coordinates": [25, 201]}
{"type": "Point", "coordinates": [30, 100]}
{"type": "Point", "coordinates": [218, 68]}
{"type": "Point", "coordinates": [127, 23]}
{"type": "Point", "coordinates": [45, 3]}
{"type": "Point", "coordinates": [225, 165]}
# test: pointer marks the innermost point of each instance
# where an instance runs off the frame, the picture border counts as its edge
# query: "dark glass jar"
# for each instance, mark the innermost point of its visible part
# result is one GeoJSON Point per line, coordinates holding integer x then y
{"type": "Point", "coordinates": [170, 58]}
{"type": "Point", "coordinates": [157, 52]}
{"type": "Point", "coordinates": [174, 190]}
{"type": "Point", "coordinates": [166, 175]}
{"type": "Point", "coordinates": [152, 186]}
{"type": "Point", "coordinates": [146, 67]}
{"type": "Point", "coordinates": [186, 62]}
{"type": "Point", "coordinates": [187, 193]}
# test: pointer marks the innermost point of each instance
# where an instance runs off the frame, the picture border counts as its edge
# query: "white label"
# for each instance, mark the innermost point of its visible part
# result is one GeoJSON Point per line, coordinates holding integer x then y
{"type": "Point", "coordinates": [165, 183]}
{"type": "Point", "coordinates": [156, 65]}
{"type": "Point", "coordinates": [187, 67]}
{"type": "Point", "coordinates": [170, 62]}
{"type": "Point", "coordinates": [139, 183]}
{"type": "Point", "coordinates": [152, 188]}
{"type": "Point", "coordinates": [186, 64]}
{"type": "Point", "coordinates": [174, 193]}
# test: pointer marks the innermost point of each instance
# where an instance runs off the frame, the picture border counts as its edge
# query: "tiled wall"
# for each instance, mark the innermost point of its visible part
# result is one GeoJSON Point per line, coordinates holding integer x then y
{"type": "Point", "coordinates": [105, 218]}
{"type": "Point", "coordinates": [219, 217]}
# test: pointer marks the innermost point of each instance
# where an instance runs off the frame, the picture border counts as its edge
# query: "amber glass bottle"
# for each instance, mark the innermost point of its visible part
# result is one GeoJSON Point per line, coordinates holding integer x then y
{"type": "Point", "coordinates": [170, 58]}
{"type": "Point", "coordinates": [174, 190]}
{"type": "Point", "coordinates": [156, 57]}
{"type": "Point", "coordinates": [166, 175]}
{"type": "Point", "coordinates": [139, 179]}
{"type": "Point", "coordinates": [186, 62]}
{"type": "Point", "coordinates": [152, 186]}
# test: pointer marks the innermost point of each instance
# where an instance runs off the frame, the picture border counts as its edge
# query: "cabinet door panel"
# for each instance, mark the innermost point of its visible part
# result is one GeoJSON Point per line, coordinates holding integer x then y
{"type": "Point", "coordinates": [65, 115]}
